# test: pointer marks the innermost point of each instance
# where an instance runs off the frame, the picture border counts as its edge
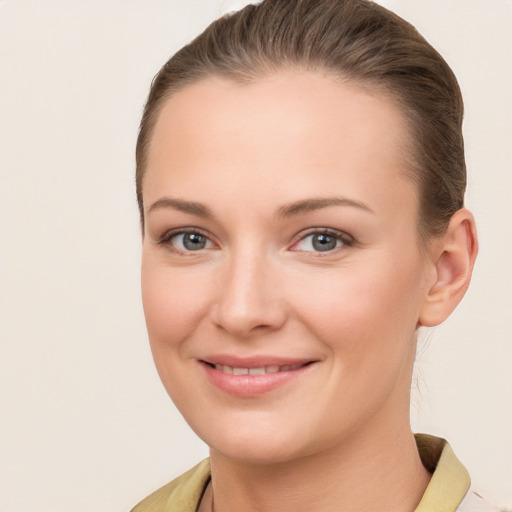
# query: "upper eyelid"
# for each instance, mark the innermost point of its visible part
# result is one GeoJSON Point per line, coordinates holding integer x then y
{"type": "Point", "coordinates": [342, 235]}
{"type": "Point", "coordinates": [167, 235]}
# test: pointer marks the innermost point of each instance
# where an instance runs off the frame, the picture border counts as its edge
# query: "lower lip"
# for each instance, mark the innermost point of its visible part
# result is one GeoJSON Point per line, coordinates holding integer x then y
{"type": "Point", "coordinates": [252, 385]}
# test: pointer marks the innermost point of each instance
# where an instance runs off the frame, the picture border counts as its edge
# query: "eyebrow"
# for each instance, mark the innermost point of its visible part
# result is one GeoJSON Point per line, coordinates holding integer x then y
{"type": "Point", "coordinates": [309, 205]}
{"type": "Point", "coordinates": [198, 209]}
{"type": "Point", "coordinates": [300, 207]}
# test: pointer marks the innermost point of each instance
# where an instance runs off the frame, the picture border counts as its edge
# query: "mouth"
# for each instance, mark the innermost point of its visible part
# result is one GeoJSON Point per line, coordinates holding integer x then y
{"type": "Point", "coordinates": [249, 378]}
{"type": "Point", "coordinates": [258, 370]}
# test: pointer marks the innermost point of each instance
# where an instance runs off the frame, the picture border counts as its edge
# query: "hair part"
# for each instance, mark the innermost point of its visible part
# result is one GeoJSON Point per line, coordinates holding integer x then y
{"type": "Point", "coordinates": [355, 40]}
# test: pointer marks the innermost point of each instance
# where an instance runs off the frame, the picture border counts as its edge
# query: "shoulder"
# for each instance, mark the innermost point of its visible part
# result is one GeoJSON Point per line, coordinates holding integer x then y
{"type": "Point", "coordinates": [181, 495]}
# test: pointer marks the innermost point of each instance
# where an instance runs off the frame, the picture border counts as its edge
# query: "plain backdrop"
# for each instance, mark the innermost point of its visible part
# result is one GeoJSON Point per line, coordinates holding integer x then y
{"type": "Point", "coordinates": [85, 423]}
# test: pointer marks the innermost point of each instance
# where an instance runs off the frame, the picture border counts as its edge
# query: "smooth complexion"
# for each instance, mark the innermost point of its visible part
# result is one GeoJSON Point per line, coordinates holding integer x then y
{"type": "Point", "coordinates": [284, 280]}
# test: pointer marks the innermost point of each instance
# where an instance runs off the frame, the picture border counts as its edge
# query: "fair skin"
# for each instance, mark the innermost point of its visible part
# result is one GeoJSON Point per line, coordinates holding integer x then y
{"type": "Point", "coordinates": [259, 172]}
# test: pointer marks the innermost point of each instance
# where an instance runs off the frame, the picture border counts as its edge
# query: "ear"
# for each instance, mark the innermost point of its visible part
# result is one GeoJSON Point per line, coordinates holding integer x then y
{"type": "Point", "coordinates": [453, 257]}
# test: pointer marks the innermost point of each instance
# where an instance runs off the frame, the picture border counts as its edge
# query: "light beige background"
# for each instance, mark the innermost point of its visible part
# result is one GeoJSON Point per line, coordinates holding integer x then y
{"type": "Point", "coordinates": [85, 424]}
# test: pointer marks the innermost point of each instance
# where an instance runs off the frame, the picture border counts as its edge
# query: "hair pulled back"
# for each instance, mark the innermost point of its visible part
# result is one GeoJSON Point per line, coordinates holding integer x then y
{"type": "Point", "coordinates": [356, 40]}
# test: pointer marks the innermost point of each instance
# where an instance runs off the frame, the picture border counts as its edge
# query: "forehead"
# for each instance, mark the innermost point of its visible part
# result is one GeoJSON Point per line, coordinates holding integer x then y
{"type": "Point", "coordinates": [281, 129]}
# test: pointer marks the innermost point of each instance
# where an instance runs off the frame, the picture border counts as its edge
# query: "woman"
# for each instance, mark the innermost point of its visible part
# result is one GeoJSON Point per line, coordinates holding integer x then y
{"type": "Point", "coordinates": [300, 177]}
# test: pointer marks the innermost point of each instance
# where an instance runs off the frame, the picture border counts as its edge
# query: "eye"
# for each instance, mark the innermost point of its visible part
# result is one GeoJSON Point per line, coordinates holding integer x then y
{"type": "Point", "coordinates": [323, 241]}
{"type": "Point", "coordinates": [186, 241]}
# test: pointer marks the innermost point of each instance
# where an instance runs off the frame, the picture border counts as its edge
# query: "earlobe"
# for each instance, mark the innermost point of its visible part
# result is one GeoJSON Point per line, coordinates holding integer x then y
{"type": "Point", "coordinates": [454, 258]}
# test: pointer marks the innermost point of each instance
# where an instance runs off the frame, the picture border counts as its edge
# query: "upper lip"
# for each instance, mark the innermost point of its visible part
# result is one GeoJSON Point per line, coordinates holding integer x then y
{"type": "Point", "coordinates": [254, 361]}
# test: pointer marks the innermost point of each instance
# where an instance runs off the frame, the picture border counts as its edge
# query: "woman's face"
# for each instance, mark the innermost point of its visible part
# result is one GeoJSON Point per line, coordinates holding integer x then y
{"type": "Point", "coordinates": [282, 271]}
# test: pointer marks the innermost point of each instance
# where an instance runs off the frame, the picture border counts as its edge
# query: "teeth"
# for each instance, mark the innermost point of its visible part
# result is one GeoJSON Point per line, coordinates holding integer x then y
{"type": "Point", "coordinates": [257, 371]}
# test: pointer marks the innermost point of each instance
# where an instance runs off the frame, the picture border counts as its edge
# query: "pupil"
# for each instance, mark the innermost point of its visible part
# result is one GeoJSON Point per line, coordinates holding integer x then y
{"type": "Point", "coordinates": [324, 242]}
{"type": "Point", "coordinates": [193, 241]}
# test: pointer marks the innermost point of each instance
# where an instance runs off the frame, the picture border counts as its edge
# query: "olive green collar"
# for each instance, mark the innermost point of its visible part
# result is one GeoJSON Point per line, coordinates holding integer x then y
{"type": "Point", "coordinates": [450, 480]}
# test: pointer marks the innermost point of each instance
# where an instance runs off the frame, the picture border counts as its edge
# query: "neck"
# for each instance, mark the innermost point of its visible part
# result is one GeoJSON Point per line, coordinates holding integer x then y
{"type": "Point", "coordinates": [373, 473]}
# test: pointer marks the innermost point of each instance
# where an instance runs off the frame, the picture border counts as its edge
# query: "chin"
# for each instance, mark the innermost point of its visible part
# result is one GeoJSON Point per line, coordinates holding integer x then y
{"type": "Point", "coordinates": [254, 442]}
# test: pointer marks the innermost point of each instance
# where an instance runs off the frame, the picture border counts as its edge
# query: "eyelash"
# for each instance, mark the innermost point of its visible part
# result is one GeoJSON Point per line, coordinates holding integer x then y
{"type": "Point", "coordinates": [165, 240]}
{"type": "Point", "coordinates": [346, 239]}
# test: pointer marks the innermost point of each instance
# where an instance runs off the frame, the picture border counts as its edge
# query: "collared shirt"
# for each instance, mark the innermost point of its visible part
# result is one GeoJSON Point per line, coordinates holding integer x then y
{"type": "Point", "coordinates": [448, 490]}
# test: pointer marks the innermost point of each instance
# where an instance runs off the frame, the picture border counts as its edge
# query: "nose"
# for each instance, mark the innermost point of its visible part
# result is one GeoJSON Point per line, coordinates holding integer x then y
{"type": "Point", "coordinates": [248, 297]}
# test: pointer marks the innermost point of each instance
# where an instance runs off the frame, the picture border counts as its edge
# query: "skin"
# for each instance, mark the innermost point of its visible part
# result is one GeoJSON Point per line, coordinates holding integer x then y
{"type": "Point", "coordinates": [260, 286]}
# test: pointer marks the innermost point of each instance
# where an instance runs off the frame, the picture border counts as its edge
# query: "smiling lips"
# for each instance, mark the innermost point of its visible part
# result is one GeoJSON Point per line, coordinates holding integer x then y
{"type": "Point", "coordinates": [262, 370]}
{"type": "Point", "coordinates": [251, 378]}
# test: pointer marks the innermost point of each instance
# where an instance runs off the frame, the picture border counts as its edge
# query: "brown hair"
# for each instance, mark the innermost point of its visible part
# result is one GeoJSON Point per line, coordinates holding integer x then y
{"type": "Point", "coordinates": [356, 40]}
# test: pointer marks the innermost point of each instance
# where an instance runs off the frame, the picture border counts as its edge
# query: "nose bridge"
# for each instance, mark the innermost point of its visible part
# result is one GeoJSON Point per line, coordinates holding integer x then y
{"type": "Point", "coordinates": [248, 294]}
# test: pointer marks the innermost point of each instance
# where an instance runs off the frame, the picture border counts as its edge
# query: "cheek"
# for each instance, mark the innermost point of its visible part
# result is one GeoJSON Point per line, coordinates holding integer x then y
{"type": "Point", "coordinates": [174, 301]}
{"type": "Point", "coordinates": [361, 305]}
